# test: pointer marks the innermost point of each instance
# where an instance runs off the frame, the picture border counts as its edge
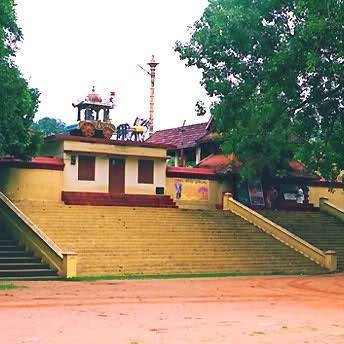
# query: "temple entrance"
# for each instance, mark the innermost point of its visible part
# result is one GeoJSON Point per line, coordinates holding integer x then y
{"type": "Point", "coordinates": [117, 175]}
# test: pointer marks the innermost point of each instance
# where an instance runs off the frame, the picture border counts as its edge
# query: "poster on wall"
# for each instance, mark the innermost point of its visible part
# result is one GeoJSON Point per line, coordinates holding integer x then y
{"type": "Point", "coordinates": [191, 189]}
{"type": "Point", "coordinates": [255, 191]}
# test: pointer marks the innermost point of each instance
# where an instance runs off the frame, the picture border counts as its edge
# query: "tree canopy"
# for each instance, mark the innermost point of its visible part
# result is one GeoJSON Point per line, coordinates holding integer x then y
{"type": "Point", "coordinates": [49, 126]}
{"type": "Point", "coordinates": [18, 102]}
{"type": "Point", "coordinates": [275, 69]}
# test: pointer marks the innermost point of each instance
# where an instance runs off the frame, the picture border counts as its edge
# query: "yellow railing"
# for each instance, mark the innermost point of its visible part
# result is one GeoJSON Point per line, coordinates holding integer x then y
{"type": "Point", "coordinates": [326, 259]}
{"type": "Point", "coordinates": [331, 209]}
{"type": "Point", "coordinates": [34, 240]}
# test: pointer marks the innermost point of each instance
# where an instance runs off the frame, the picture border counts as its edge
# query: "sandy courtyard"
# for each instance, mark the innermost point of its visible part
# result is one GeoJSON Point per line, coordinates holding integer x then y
{"type": "Point", "coordinates": [223, 310]}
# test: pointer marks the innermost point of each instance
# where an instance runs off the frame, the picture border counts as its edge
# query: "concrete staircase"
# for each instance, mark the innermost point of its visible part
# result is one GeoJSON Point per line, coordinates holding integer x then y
{"type": "Point", "coordinates": [318, 228]}
{"type": "Point", "coordinates": [16, 263]}
{"type": "Point", "coordinates": [128, 240]}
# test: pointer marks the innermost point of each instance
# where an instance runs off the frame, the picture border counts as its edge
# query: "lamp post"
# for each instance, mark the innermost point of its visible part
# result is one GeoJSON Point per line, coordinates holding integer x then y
{"type": "Point", "coordinates": [152, 64]}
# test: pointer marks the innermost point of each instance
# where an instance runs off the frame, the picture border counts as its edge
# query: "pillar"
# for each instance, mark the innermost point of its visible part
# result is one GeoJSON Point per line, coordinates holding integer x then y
{"type": "Point", "coordinates": [198, 154]}
{"type": "Point", "coordinates": [176, 159]}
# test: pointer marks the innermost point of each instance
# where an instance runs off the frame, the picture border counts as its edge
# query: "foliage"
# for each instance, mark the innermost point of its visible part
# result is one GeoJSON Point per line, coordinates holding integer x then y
{"type": "Point", "coordinates": [9, 286]}
{"type": "Point", "coordinates": [170, 161]}
{"type": "Point", "coordinates": [18, 102]}
{"type": "Point", "coordinates": [276, 71]}
{"type": "Point", "coordinates": [190, 163]}
{"type": "Point", "coordinates": [49, 126]}
{"type": "Point", "coordinates": [200, 109]}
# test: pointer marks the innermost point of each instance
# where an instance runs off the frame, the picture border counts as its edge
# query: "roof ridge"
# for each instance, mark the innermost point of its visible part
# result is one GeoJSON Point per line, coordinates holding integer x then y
{"type": "Point", "coordinates": [185, 126]}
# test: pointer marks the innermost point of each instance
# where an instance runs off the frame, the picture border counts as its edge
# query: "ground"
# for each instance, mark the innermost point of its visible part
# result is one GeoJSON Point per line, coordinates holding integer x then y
{"type": "Point", "coordinates": [274, 309]}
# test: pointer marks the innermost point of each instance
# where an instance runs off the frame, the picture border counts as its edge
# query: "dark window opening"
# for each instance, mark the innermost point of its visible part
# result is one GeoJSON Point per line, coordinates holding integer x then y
{"type": "Point", "coordinates": [146, 172]}
{"type": "Point", "coordinates": [86, 167]}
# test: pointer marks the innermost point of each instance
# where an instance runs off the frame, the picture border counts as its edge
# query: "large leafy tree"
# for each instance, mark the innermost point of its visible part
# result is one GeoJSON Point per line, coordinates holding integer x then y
{"type": "Point", "coordinates": [276, 71]}
{"type": "Point", "coordinates": [49, 126]}
{"type": "Point", "coordinates": [18, 102]}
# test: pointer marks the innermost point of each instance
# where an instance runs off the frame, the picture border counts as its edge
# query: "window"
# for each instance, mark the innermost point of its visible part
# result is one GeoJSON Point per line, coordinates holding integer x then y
{"type": "Point", "coordinates": [146, 172]}
{"type": "Point", "coordinates": [86, 167]}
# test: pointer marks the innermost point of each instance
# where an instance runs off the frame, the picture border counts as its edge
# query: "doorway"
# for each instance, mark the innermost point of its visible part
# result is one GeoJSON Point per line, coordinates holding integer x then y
{"type": "Point", "coordinates": [117, 175]}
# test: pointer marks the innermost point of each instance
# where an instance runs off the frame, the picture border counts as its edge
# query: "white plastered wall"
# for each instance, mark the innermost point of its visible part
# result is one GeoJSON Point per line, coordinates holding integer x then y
{"type": "Point", "coordinates": [132, 186]}
{"type": "Point", "coordinates": [101, 182]}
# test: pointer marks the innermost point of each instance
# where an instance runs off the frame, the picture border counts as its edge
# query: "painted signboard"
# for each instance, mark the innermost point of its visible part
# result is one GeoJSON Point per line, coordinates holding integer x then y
{"type": "Point", "coordinates": [191, 189]}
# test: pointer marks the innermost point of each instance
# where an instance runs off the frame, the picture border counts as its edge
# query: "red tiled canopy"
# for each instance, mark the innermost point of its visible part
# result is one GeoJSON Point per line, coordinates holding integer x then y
{"type": "Point", "coordinates": [182, 137]}
{"type": "Point", "coordinates": [220, 163]}
{"type": "Point", "coordinates": [229, 163]}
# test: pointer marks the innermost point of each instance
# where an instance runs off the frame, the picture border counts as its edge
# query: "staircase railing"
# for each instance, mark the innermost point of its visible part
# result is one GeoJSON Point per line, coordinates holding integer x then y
{"type": "Point", "coordinates": [326, 259]}
{"type": "Point", "coordinates": [331, 209]}
{"type": "Point", "coordinates": [28, 234]}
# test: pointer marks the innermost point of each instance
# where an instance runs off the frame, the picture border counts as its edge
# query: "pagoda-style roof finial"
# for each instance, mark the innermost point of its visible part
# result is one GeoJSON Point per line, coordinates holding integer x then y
{"type": "Point", "coordinates": [93, 96]}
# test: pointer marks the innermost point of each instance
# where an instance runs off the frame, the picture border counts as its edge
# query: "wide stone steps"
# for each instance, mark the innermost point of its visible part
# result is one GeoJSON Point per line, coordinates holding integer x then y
{"type": "Point", "coordinates": [130, 240]}
{"type": "Point", "coordinates": [24, 259]}
{"type": "Point", "coordinates": [318, 228]}
{"type": "Point", "coordinates": [16, 263]}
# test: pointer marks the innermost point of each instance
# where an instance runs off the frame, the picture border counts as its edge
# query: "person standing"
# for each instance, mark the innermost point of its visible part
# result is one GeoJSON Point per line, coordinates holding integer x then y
{"type": "Point", "coordinates": [300, 196]}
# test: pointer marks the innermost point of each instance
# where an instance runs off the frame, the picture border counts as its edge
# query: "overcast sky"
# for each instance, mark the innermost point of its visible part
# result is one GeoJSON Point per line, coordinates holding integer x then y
{"type": "Point", "coordinates": [70, 45]}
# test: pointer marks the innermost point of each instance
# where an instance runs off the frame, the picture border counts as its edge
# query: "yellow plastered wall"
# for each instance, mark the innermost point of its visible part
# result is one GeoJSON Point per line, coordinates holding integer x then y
{"type": "Point", "coordinates": [336, 197]}
{"type": "Point", "coordinates": [101, 182]}
{"type": "Point", "coordinates": [215, 194]}
{"type": "Point", "coordinates": [31, 184]}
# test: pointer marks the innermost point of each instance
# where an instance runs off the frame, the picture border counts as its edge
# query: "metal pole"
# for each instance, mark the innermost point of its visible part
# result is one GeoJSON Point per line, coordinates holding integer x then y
{"type": "Point", "coordinates": [152, 64]}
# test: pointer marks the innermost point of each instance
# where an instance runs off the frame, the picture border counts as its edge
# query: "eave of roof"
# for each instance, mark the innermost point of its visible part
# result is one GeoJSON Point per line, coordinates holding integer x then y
{"type": "Point", "coordinates": [190, 172]}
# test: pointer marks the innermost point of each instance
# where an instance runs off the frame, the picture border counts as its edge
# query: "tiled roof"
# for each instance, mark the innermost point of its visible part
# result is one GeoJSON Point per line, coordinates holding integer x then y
{"type": "Point", "coordinates": [210, 136]}
{"type": "Point", "coordinates": [220, 163]}
{"type": "Point", "coordinates": [182, 137]}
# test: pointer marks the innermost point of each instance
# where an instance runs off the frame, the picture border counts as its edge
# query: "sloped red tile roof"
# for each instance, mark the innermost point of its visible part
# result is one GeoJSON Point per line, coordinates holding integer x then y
{"type": "Point", "coordinates": [220, 163]}
{"type": "Point", "coordinates": [182, 137]}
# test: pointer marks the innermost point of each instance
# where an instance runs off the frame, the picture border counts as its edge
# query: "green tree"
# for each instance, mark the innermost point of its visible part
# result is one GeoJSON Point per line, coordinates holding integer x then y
{"type": "Point", "coordinates": [18, 102]}
{"type": "Point", "coordinates": [49, 126]}
{"type": "Point", "coordinates": [276, 71]}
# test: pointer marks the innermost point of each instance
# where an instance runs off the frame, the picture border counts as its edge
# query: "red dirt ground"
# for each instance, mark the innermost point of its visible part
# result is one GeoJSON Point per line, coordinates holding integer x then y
{"type": "Point", "coordinates": [222, 310]}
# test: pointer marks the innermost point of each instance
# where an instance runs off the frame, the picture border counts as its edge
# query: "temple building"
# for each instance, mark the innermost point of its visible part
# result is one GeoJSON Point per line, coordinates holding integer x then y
{"type": "Point", "coordinates": [192, 143]}
{"type": "Point", "coordinates": [100, 161]}
{"type": "Point", "coordinates": [198, 146]}
{"type": "Point", "coordinates": [109, 198]}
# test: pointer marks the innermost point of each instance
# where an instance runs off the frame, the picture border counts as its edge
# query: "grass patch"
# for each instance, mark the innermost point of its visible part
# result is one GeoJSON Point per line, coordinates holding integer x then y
{"type": "Point", "coordinates": [10, 286]}
{"type": "Point", "coordinates": [179, 276]}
